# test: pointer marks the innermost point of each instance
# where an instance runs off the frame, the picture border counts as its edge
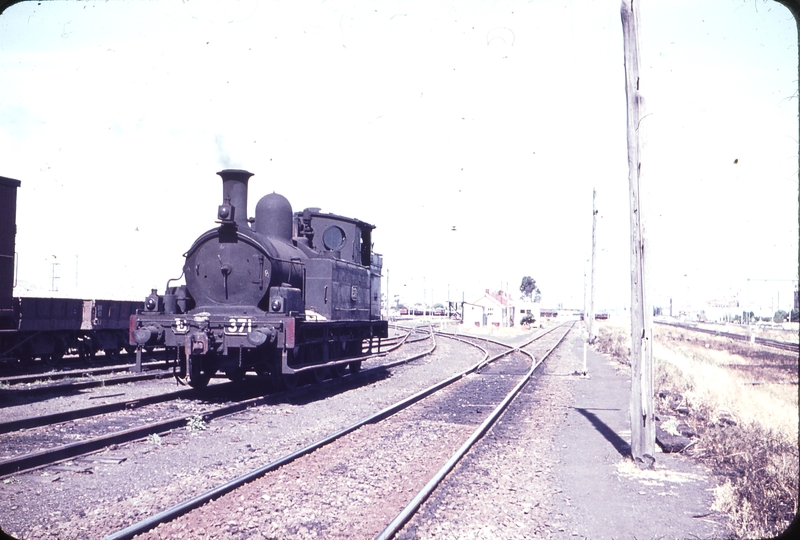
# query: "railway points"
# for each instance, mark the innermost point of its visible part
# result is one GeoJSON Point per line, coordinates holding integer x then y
{"type": "Point", "coordinates": [460, 384]}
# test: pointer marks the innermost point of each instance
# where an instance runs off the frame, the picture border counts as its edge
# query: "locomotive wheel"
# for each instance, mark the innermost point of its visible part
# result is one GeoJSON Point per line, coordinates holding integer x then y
{"type": "Point", "coordinates": [236, 374]}
{"type": "Point", "coordinates": [289, 380]}
{"type": "Point", "coordinates": [355, 367]}
{"type": "Point", "coordinates": [320, 374]}
{"type": "Point", "coordinates": [199, 379]}
{"type": "Point", "coordinates": [339, 370]}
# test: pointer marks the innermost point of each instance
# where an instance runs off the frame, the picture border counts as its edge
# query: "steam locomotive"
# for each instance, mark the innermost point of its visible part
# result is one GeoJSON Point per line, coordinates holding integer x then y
{"type": "Point", "coordinates": [279, 294]}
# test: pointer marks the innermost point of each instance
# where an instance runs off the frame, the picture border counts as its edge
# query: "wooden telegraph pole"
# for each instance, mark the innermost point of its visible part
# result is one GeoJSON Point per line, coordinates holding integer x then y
{"type": "Point", "coordinates": [642, 419]}
{"type": "Point", "coordinates": [594, 257]}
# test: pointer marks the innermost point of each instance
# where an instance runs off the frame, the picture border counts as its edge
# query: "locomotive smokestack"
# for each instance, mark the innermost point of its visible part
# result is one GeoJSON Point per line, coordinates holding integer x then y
{"type": "Point", "coordinates": [234, 196]}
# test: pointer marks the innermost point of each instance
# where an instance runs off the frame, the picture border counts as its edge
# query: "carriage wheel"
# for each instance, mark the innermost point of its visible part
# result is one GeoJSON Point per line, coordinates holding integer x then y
{"type": "Point", "coordinates": [86, 350]}
{"type": "Point", "coordinates": [52, 359]}
{"type": "Point", "coordinates": [21, 362]}
{"type": "Point", "coordinates": [55, 357]}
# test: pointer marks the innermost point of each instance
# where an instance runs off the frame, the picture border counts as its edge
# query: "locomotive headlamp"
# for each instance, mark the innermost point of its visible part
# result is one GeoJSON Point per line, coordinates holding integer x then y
{"type": "Point", "coordinates": [277, 304]}
{"type": "Point", "coordinates": [151, 302]}
{"type": "Point", "coordinates": [225, 212]}
{"type": "Point", "coordinates": [142, 335]}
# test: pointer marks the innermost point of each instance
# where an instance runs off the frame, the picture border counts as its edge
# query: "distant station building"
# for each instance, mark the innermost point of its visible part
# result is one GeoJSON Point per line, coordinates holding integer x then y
{"type": "Point", "coordinates": [473, 314]}
{"type": "Point", "coordinates": [720, 310]}
{"type": "Point", "coordinates": [491, 309]}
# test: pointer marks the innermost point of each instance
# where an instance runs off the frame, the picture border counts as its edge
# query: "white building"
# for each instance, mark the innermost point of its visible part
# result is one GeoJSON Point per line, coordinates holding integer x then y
{"type": "Point", "coordinates": [496, 310]}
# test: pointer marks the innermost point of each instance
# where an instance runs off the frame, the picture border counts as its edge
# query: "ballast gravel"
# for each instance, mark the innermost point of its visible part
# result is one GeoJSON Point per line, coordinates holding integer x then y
{"type": "Point", "coordinates": [125, 484]}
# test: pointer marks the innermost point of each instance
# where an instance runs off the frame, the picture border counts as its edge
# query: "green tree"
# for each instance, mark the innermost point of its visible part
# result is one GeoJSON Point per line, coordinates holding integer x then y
{"type": "Point", "coordinates": [529, 289]}
{"type": "Point", "coordinates": [780, 316]}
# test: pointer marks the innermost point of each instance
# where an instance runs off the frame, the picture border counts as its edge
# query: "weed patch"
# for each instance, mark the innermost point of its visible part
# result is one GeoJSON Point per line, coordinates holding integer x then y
{"type": "Point", "coordinates": [759, 493]}
{"type": "Point", "coordinates": [746, 434]}
{"type": "Point", "coordinates": [196, 423]}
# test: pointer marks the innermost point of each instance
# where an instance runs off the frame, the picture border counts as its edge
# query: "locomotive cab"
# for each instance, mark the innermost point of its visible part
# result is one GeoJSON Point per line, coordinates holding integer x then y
{"type": "Point", "coordinates": [339, 283]}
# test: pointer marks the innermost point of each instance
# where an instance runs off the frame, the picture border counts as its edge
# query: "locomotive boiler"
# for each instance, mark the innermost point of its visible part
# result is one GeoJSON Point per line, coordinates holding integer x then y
{"type": "Point", "coordinates": [277, 294]}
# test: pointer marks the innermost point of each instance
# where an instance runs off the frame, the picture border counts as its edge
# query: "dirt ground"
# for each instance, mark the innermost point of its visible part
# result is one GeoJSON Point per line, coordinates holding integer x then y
{"type": "Point", "coordinates": [611, 497]}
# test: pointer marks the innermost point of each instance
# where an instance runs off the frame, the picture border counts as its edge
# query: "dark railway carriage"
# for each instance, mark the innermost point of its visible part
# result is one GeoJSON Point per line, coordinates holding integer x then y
{"type": "Point", "coordinates": [8, 231]}
{"type": "Point", "coordinates": [278, 294]}
{"type": "Point", "coordinates": [49, 328]}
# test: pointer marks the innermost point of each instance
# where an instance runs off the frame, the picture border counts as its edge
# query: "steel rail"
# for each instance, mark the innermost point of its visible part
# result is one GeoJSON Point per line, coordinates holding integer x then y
{"type": "Point", "coordinates": [56, 375]}
{"type": "Point", "coordinates": [186, 506]}
{"type": "Point", "coordinates": [400, 520]}
{"type": "Point", "coordinates": [52, 376]}
{"type": "Point", "coordinates": [59, 387]}
{"type": "Point", "coordinates": [431, 335]}
{"type": "Point", "coordinates": [69, 451]}
{"type": "Point", "coordinates": [774, 343]}
{"type": "Point", "coordinates": [86, 412]}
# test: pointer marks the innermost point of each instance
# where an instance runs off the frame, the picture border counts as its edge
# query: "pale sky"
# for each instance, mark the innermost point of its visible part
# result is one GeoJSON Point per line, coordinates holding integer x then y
{"type": "Point", "coordinates": [496, 118]}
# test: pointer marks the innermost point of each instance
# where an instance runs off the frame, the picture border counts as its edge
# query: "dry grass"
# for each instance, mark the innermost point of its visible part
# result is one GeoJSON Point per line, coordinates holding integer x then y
{"type": "Point", "coordinates": [741, 404]}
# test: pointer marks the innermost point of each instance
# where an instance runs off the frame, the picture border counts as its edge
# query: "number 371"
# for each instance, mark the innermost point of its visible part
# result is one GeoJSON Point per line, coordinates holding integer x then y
{"type": "Point", "coordinates": [239, 326]}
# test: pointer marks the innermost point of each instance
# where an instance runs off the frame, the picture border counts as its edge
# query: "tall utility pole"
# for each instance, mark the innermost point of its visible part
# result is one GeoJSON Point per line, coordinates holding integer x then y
{"type": "Point", "coordinates": [643, 433]}
{"type": "Point", "coordinates": [590, 313]}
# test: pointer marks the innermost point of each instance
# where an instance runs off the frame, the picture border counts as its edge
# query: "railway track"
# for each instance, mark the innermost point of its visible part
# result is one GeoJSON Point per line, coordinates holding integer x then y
{"type": "Point", "coordinates": [39, 387]}
{"type": "Point", "coordinates": [65, 381]}
{"type": "Point", "coordinates": [772, 343]}
{"type": "Point", "coordinates": [48, 376]}
{"type": "Point", "coordinates": [143, 408]}
{"type": "Point", "coordinates": [446, 410]}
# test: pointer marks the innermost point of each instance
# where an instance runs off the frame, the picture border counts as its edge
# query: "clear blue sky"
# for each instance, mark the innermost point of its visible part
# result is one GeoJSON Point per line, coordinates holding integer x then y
{"type": "Point", "coordinates": [495, 118]}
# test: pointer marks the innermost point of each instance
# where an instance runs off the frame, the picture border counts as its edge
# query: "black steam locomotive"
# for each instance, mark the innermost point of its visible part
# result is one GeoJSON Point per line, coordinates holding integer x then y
{"type": "Point", "coordinates": [278, 294]}
{"type": "Point", "coordinates": [48, 328]}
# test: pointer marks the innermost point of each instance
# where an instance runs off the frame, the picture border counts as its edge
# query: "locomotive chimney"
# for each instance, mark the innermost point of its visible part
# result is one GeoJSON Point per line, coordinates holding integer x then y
{"type": "Point", "coordinates": [234, 196]}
